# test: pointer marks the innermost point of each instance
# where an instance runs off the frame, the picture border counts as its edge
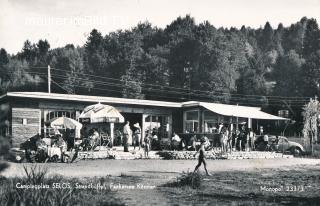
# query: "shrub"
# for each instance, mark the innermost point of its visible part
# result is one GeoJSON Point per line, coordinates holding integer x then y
{"type": "Point", "coordinates": [4, 149]}
{"type": "Point", "coordinates": [189, 179]}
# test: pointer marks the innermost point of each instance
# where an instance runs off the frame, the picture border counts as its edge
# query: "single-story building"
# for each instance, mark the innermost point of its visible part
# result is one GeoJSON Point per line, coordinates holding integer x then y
{"type": "Point", "coordinates": [26, 114]}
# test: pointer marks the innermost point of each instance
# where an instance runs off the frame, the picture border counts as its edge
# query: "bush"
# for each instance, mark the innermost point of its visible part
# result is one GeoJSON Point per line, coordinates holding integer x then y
{"type": "Point", "coordinates": [4, 149]}
{"type": "Point", "coordinates": [189, 179]}
{"type": "Point", "coordinates": [4, 145]}
{"type": "Point", "coordinates": [35, 175]}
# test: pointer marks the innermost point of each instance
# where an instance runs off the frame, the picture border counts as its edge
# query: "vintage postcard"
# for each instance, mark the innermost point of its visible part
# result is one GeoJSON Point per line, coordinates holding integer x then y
{"type": "Point", "coordinates": [158, 102]}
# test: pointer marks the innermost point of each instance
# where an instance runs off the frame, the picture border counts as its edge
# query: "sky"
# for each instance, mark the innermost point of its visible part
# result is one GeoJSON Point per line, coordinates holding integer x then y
{"type": "Point", "coordinates": [64, 22]}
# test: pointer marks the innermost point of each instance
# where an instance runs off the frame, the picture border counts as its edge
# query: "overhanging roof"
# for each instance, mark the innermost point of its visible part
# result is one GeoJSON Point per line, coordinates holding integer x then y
{"type": "Point", "coordinates": [222, 109]}
{"type": "Point", "coordinates": [239, 111]}
{"type": "Point", "coordinates": [92, 99]}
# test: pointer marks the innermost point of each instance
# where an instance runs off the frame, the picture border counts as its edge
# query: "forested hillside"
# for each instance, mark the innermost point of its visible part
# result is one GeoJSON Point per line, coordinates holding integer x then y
{"type": "Point", "coordinates": [275, 68]}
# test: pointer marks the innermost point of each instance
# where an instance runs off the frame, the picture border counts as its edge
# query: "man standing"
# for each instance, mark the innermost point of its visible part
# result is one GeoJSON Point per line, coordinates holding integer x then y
{"type": "Point", "coordinates": [126, 133]}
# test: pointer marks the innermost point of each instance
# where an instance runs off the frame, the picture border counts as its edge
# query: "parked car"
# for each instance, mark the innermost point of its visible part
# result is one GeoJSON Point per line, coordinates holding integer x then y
{"type": "Point", "coordinates": [17, 155]}
{"type": "Point", "coordinates": [283, 145]}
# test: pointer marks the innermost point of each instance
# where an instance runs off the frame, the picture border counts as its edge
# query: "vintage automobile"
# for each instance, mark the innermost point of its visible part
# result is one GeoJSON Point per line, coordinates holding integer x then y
{"type": "Point", "coordinates": [17, 155]}
{"type": "Point", "coordinates": [281, 145]}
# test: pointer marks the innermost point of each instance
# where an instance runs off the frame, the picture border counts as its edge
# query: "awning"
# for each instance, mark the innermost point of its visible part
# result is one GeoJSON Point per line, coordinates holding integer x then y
{"type": "Point", "coordinates": [240, 111]}
{"type": "Point", "coordinates": [98, 113]}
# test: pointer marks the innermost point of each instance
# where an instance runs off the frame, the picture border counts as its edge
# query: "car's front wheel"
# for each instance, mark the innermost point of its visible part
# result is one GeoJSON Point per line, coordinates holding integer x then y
{"type": "Point", "coordinates": [296, 151]}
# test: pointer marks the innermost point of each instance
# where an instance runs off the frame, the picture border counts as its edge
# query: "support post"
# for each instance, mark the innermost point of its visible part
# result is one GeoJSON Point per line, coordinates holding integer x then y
{"type": "Point", "coordinates": [49, 79]}
{"type": "Point", "coordinates": [111, 131]}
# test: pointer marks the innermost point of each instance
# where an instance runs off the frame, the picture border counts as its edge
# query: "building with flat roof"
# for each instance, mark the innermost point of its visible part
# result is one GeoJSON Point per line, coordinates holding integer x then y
{"type": "Point", "coordinates": [26, 114]}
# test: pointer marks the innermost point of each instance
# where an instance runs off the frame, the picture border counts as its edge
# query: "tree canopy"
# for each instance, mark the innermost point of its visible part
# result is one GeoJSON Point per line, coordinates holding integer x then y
{"type": "Point", "coordinates": [184, 61]}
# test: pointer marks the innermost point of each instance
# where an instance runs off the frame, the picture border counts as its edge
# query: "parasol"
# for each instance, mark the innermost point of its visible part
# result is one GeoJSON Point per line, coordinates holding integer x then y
{"type": "Point", "coordinates": [100, 113]}
{"type": "Point", "coordinates": [67, 123]}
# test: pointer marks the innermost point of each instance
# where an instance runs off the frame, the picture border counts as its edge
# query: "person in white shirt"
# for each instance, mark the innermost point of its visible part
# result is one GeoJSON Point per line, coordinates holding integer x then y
{"type": "Point", "coordinates": [175, 141]}
{"type": "Point", "coordinates": [176, 137]}
{"type": "Point", "coordinates": [126, 136]}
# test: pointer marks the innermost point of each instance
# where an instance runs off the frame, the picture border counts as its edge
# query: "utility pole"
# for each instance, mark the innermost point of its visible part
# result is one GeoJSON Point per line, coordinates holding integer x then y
{"type": "Point", "coordinates": [49, 79]}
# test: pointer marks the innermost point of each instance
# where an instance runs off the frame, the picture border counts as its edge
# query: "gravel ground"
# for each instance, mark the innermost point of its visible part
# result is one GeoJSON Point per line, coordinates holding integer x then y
{"type": "Point", "coordinates": [169, 168]}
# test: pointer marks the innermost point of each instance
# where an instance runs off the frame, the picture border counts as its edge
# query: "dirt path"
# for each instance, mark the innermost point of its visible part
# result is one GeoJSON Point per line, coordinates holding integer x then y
{"type": "Point", "coordinates": [164, 168]}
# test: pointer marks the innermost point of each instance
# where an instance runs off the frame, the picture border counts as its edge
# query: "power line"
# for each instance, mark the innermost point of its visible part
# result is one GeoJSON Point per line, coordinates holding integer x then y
{"type": "Point", "coordinates": [115, 79]}
{"type": "Point", "coordinates": [170, 91]}
{"type": "Point", "coordinates": [150, 89]}
{"type": "Point", "coordinates": [270, 97]}
{"type": "Point", "coordinates": [232, 99]}
{"type": "Point", "coordinates": [120, 91]}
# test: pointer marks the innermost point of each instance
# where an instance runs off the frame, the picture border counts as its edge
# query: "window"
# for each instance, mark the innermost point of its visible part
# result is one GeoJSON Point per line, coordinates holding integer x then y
{"type": "Point", "coordinates": [210, 121]}
{"type": "Point", "coordinates": [283, 113]}
{"type": "Point", "coordinates": [24, 121]}
{"type": "Point", "coordinates": [191, 121]}
{"type": "Point", "coordinates": [158, 125]}
{"type": "Point", "coordinates": [55, 114]}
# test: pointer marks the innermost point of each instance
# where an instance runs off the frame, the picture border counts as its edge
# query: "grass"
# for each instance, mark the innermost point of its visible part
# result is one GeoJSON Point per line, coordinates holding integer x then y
{"type": "Point", "coordinates": [244, 188]}
{"type": "Point", "coordinates": [35, 175]}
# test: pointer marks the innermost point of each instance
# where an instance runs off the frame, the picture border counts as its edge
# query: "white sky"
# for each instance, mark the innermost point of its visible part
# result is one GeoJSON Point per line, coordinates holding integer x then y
{"type": "Point", "coordinates": [70, 21]}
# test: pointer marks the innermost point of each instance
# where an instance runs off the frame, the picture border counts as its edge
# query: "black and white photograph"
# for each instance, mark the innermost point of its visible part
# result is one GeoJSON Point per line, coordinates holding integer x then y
{"type": "Point", "coordinates": [159, 102]}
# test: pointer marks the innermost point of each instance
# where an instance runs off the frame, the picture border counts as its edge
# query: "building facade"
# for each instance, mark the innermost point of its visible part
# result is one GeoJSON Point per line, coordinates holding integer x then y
{"type": "Point", "coordinates": [26, 114]}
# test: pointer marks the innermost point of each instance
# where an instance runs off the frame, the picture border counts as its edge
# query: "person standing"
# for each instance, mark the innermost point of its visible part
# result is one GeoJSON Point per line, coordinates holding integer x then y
{"type": "Point", "coordinates": [126, 133]}
{"type": "Point", "coordinates": [201, 158]}
{"type": "Point", "coordinates": [252, 139]}
{"type": "Point", "coordinates": [137, 136]}
{"type": "Point", "coordinates": [147, 141]}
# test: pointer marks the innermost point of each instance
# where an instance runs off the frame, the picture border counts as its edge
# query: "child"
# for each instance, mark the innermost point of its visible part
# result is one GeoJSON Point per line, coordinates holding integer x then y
{"type": "Point", "coordinates": [147, 141]}
{"type": "Point", "coordinates": [201, 157]}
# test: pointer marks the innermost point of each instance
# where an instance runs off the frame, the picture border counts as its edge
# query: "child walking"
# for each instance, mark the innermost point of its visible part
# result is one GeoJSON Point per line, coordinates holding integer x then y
{"type": "Point", "coordinates": [201, 158]}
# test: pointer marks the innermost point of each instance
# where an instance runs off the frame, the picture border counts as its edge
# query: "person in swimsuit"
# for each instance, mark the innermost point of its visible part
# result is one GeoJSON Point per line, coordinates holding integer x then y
{"type": "Point", "coordinates": [201, 158]}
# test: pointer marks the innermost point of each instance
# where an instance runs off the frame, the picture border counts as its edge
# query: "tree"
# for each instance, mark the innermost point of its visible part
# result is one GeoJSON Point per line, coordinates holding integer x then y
{"type": "Point", "coordinates": [311, 75]}
{"type": "Point", "coordinates": [4, 57]}
{"type": "Point", "coordinates": [131, 84]}
{"type": "Point", "coordinates": [266, 38]}
{"type": "Point", "coordinates": [29, 52]}
{"type": "Point", "coordinates": [43, 47]}
{"type": "Point", "coordinates": [288, 75]}
{"type": "Point", "coordinates": [311, 113]}
{"type": "Point", "coordinates": [94, 52]}
{"type": "Point", "coordinates": [16, 76]}
{"type": "Point", "coordinates": [183, 51]}
{"type": "Point", "coordinates": [293, 37]}
{"type": "Point", "coordinates": [69, 61]}
{"type": "Point", "coordinates": [311, 38]}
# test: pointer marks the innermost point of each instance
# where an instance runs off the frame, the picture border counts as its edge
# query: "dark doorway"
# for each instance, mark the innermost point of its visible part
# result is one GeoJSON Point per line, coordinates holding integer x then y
{"type": "Point", "coordinates": [133, 118]}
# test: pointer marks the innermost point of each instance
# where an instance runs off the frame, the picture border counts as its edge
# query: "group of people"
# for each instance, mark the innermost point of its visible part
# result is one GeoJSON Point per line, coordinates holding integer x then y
{"type": "Point", "coordinates": [231, 138]}
{"type": "Point", "coordinates": [136, 138]}
{"type": "Point", "coordinates": [51, 148]}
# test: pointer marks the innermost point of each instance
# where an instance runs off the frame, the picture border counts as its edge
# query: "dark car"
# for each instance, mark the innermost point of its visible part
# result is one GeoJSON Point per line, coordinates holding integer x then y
{"type": "Point", "coordinates": [278, 144]}
{"type": "Point", "coordinates": [17, 155]}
